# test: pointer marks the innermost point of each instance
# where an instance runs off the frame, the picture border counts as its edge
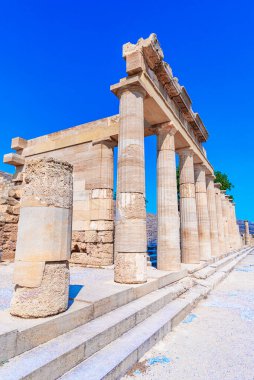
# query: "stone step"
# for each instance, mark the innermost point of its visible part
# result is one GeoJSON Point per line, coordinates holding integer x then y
{"type": "Point", "coordinates": [52, 359]}
{"type": "Point", "coordinates": [123, 335]}
{"type": "Point", "coordinates": [20, 335]}
{"type": "Point", "coordinates": [211, 268]}
{"type": "Point", "coordinates": [131, 346]}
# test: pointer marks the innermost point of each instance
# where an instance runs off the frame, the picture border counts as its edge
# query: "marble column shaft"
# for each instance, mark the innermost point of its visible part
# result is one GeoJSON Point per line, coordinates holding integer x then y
{"type": "Point", "coordinates": [247, 232]}
{"type": "Point", "coordinates": [220, 222]}
{"type": "Point", "coordinates": [188, 210]}
{"type": "Point", "coordinates": [230, 223]}
{"type": "Point", "coordinates": [130, 224]}
{"type": "Point", "coordinates": [212, 216]}
{"type": "Point", "coordinates": [168, 241]}
{"type": "Point", "coordinates": [225, 220]}
{"type": "Point", "coordinates": [202, 213]}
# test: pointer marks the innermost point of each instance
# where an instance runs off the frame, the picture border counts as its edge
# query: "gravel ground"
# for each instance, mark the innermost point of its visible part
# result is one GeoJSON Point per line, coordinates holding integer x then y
{"type": "Point", "coordinates": [214, 342]}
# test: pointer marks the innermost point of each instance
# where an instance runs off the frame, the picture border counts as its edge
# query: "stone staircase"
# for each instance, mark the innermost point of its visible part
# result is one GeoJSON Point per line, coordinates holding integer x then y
{"type": "Point", "coordinates": [152, 255]}
{"type": "Point", "coordinates": [103, 339]}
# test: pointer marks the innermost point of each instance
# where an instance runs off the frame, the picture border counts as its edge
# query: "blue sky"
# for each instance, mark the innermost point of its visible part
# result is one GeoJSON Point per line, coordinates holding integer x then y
{"type": "Point", "coordinates": [59, 58]}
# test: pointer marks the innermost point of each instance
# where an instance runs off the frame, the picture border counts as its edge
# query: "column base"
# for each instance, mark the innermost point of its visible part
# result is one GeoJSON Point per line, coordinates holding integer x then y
{"type": "Point", "coordinates": [50, 298]}
{"type": "Point", "coordinates": [131, 268]}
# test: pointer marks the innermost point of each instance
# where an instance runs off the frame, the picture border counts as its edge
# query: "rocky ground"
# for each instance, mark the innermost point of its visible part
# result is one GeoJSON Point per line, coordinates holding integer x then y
{"type": "Point", "coordinates": [214, 342]}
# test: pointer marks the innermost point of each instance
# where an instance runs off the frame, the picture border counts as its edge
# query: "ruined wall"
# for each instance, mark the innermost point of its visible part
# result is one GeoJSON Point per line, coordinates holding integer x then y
{"type": "Point", "coordinates": [92, 226]}
{"type": "Point", "coordinates": [10, 191]}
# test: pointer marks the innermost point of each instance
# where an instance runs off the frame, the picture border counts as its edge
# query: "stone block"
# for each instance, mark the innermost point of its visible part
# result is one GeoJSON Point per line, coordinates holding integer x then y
{"type": "Point", "coordinates": [49, 299]}
{"type": "Point", "coordinates": [52, 243]}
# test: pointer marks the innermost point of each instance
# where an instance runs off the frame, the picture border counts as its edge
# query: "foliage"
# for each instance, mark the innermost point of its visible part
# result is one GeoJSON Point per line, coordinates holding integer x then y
{"type": "Point", "coordinates": [223, 179]}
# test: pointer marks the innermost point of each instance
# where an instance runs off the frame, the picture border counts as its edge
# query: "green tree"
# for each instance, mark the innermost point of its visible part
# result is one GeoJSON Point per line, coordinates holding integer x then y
{"type": "Point", "coordinates": [223, 179]}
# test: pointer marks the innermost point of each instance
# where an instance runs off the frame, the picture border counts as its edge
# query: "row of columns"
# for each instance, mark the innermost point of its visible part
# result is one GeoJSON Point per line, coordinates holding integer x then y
{"type": "Point", "coordinates": [207, 220]}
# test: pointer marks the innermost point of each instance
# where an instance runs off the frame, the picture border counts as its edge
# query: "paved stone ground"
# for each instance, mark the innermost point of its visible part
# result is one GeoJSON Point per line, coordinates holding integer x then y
{"type": "Point", "coordinates": [214, 342]}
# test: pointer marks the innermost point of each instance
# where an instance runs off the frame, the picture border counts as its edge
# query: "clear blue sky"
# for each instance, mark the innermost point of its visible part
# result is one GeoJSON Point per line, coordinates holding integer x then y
{"type": "Point", "coordinates": [59, 57]}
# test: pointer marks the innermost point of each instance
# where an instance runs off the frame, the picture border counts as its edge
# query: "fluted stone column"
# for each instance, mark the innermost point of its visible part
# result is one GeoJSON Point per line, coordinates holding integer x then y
{"type": "Point", "coordinates": [41, 271]}
{"type": "Point", "coordinates": [225, 220]}
{"type": "Point", "coordinates": [168, 241]}
{"type": "Point", "coordinates": [202, 213]}
{"type": "Point", "coordinates": [247, 233]}
{"type": "Point", "coordinates": [230, 223]}
{"type": "Point", "coordinates": [220, 222]}
{"type": "Point", "coordinates": [130, 224]}
{"type": "Point", "coordinates": [237, 232]}
{"type": "Point", "coordinates": [188, 210]}
{"type": "Point", "coordinates": [212, 215]}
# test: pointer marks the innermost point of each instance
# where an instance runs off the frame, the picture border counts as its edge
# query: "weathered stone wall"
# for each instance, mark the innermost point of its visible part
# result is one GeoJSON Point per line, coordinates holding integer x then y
{"type": "Point", "coordinates": [93, 210]}
{"type": "Point", "coordinates": [10, 192]}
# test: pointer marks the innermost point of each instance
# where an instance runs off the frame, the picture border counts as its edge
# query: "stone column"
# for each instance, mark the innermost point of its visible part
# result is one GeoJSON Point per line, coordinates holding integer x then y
{"type": "Point", "coordinates": [188, 211]}
{"type": "Point", "coordinates": [225, 220]}
{"type": "Point", "coordinates": [168, 245]}
{"type": "Point", "coordinates": [234, 223]}
{"type": "Point", "coordinates": [130, 224]}
{"type": "Point", "coordinates": [230, 224]}
{"type": "Point", "coordinates": [212, 215]}
{"type": "Point", "coordinates": [41, 271]}
{"type": "Point", "coordinates": [220, 222]}
{"type": "Point", "coordinates": [247, 233]}
{"type": "Point", "coordinates": [202, 213]}
{"type": "Point", "coordinates": [237, 232]}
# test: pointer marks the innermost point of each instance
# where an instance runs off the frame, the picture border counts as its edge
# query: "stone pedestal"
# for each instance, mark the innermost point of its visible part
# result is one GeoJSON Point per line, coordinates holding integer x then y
{"type": "Point", "coordinates": [130, 224]}
{"type": "Point", "coordinates": [247, 233]}
{"type": "Point", "coordinates": [212, 215]}
{"type": "Point", "coordinates": [202, 213]}
{"type": "Point", "coordinates": [168, 241]}
{"type": "Point", "coordinates": [220, 222]}
{"type": "Point", "coordinates": [188, 211]}
{"type": "Point", "coordinates": [41, 272]}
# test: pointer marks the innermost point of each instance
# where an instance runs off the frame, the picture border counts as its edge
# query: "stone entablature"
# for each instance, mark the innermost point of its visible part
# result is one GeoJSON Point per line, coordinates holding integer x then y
{"type": "Point", "coordinates": [147, 56]}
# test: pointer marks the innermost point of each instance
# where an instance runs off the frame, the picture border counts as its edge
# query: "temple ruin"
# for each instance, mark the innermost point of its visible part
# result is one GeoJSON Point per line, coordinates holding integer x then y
{"type": "Point", "coordinates": [63, 185]}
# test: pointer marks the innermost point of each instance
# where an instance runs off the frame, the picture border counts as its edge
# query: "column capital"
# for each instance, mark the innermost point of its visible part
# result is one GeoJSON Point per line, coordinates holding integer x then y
{"type": "Point", "coordinates": [167, 127]}
{"type": "Point", "coordinates": [211, 177]}
{"type": "Point", "coordinates": [188, 151]}
{"type": "Point", "coordinates": [217, 185]}
{"type": "Point", "coordinates": [134, 88]}
{"type": "Point", "coordinates": [108, 141]}
{"type": "Point", "coordinates": [200, 166]}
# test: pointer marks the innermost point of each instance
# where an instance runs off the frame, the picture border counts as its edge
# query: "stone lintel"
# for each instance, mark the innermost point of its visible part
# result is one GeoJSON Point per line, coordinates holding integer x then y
{"type": "Point", "coordinates": [14, 159]}
{"type": "Point", "coordinates": [18, 143]}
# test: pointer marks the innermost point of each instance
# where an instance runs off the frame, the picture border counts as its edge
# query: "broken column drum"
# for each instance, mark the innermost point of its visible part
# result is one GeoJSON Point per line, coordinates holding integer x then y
{"type": "Point", "coordinates": [41, 272]}
{"type": "Point", "coordinates": [130, 223]}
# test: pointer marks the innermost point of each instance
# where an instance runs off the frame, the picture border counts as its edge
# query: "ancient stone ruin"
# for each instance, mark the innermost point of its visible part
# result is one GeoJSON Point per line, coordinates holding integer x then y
{"type": "Point", "coordinates": [58, 210]}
